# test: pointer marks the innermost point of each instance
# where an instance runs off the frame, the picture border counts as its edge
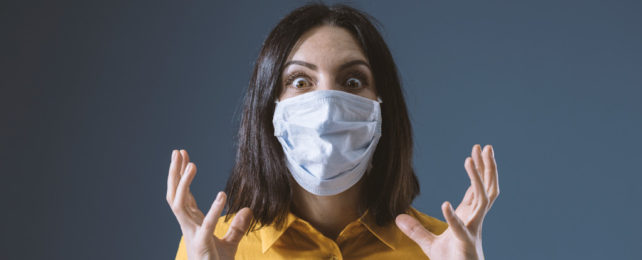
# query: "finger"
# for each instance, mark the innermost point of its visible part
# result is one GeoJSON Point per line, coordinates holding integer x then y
{"type": "Point", "coordinates": [172, 178]}
{"type": "Point", "coordinates": [467, 200]}
{"type": "Point", "coordinates": [185, 161]}
{"type": "Point", "coordinates": [239, 226]}
{"type": "Point", "coordinates": [454, 223]}
{"type": "Point", "coordinates": [491, 172]}
{"type": "Point", "coordinates": [479, 162]}
{"type": "Point", "coordinates": [210, 220]}
{"type": "Point", "coordinates": [468, 197]}
{"type": "Point", "coordinates": [179, 162]}
{"type": "Point", "coordinates": [182, 192]}
{"type": "Point", "coordinates": [480, 197]}
{"type": "Point", "coordinates": [415, 231]}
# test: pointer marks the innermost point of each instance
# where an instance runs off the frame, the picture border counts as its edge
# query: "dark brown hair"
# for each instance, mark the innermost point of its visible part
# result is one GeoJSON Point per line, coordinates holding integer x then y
{"type": "Point", "coordinates": [260, 179]}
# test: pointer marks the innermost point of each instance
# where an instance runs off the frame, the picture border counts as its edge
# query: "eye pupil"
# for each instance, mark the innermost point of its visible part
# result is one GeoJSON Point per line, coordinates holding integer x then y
{"type": "Point", "coordinates": [301, 83]}
{"type": "Point", "coordinates": [354, 83]}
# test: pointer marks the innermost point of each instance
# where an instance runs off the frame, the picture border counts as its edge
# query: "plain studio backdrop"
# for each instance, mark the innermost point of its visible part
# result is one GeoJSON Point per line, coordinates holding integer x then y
{"type": "Point", "coordinates": [96, 94]}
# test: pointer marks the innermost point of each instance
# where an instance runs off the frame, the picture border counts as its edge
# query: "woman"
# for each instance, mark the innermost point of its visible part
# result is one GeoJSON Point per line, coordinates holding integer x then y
{"type": "Point", "coordinates": [324, 161]}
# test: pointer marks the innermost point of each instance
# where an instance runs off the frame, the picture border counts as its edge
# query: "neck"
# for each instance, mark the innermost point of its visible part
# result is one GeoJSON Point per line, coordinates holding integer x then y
{"type": "Point", "coordinates": [328, 214]}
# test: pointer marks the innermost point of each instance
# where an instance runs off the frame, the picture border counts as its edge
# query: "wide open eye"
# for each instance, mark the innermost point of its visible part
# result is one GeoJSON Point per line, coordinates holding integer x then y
{"type": "Point", "coordinates": [354, 83]}
{"type": "Point", "coordinates": [300, 83]}
{"type": "Point", "coordinates": [355, 80]}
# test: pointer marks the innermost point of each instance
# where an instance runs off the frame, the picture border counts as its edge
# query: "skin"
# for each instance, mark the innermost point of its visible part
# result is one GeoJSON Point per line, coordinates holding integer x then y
{"type": "Point", "coordinates": [329, 58]}
{"type": "Point", "coordinates": [463, 238]}
{"type": "Point", "coordinates": [318, 62]}
{"type": "Point", "coordinates": [198, 229]}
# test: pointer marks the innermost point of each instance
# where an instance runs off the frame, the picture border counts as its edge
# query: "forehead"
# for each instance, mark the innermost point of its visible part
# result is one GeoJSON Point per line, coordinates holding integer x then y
{"type": "Point", "coordinates": [327, 45]}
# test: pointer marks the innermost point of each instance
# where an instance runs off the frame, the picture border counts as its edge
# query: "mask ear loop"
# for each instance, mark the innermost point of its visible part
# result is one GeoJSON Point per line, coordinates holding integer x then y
{"type": "Point", "coordinates": [369, 169]}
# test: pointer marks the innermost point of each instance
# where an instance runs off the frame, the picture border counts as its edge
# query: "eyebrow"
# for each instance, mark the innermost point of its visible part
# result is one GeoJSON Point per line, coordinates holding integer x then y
{"type": "Point", "coordinates": [314, 67]}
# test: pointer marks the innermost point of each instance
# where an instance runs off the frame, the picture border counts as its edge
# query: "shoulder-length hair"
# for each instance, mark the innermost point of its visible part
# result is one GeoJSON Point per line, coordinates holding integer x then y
{"type": "Point", "coordinates": [260, 179]}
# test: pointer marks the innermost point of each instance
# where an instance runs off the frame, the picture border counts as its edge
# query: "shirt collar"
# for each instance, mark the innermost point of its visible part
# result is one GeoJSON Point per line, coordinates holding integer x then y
{"type": "Point", "coordinates": [270, 234]}
{"type": "Point", "coordinates": [389, 234]}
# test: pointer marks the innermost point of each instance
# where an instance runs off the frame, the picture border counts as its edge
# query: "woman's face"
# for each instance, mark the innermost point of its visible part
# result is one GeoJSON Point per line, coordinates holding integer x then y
{"type": "Point", "coordinates": [328, 58]}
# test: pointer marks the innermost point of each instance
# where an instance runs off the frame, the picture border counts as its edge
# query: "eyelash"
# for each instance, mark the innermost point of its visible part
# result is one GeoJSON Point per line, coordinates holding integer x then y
{"type": "Point", "coordinates": [358, 75]}
{"type": "Point", "coordinates": [353, 74]}
{"type": "Point", "coordinates": [294, 76]}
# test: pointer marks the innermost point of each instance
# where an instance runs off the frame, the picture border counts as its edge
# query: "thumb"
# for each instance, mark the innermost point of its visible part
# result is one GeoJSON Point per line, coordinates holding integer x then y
{"type": "Point", "coordinates": [239, 225]}
{"type": "Point", "coordinates": [210, 220]}
{"type": "Point", "coordinates": [415, 231]}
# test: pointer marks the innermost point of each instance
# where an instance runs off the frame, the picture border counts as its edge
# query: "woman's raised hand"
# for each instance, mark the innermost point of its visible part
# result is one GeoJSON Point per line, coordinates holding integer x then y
{"type": "Point", "coordinates": [198, 229]}
{"type": "Point", "coordinates": [462, 239]}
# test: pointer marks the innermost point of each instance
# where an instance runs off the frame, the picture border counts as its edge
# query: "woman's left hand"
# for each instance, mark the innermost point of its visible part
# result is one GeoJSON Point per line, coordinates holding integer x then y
{"type": "Point", "coordinates": [462, 239]}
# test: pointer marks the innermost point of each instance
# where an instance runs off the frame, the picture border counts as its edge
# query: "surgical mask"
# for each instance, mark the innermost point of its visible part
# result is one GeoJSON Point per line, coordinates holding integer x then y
{"type": "Point", "coordinates": [328, 138]}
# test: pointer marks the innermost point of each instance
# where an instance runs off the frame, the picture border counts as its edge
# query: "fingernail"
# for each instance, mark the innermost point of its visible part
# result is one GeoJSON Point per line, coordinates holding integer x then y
{"type": "Point", "coordinates": [219, 196]}
{"type": "Point", "coordinates": [173, 155]}
{"type": "Point", "coordinates": [492, 151]}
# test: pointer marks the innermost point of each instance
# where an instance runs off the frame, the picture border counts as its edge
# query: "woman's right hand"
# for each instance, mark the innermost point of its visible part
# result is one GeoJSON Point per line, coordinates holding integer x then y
{"type": "Point", "coordinates": [198, 229]}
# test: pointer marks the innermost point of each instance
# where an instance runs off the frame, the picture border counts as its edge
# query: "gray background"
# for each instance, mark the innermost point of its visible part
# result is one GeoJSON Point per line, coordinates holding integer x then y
{"type": "Point", "coordinates": [95, 94]}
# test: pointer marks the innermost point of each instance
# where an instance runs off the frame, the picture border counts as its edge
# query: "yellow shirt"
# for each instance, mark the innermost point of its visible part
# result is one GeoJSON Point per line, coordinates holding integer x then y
{"type": "Point", "coordinates": [362, 238]}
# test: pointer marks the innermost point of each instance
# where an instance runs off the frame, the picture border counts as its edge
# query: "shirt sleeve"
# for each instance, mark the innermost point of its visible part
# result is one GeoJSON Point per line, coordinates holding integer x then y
{"type": "Point", "coordinates": [181, 254]}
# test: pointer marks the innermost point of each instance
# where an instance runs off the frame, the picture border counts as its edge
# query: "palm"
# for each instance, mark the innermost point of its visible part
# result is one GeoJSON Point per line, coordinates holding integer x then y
{"type": "Point", "coordinates": [462, 238]}
{"type": "Point", "coordinates": [449, 247]}
{"type": "Point", "coordinates": [197, 228]}
{"type": "Point", "coordinates": [465, 207]}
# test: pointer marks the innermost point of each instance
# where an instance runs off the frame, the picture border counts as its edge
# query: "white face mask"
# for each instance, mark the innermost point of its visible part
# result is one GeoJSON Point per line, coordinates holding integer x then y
{"type": "Point", "coordinates": [328, 137]}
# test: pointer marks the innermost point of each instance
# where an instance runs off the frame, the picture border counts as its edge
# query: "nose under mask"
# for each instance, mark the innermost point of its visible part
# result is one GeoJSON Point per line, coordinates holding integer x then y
{"type": "Point", "coordinates": [328, 137]}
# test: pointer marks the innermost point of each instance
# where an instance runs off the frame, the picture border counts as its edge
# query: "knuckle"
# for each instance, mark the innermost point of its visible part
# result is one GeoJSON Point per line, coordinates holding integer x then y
{"type": "Point", "coordinates": [236, 230]}
{"type": "Point", "coordinates": [415, 231]}
{"type": "Point", "coordinates": [485, 199]}
{"type": "Point", "coordinates": [177, 207]}
{"type": "Point", "coordinates": [493, 194]}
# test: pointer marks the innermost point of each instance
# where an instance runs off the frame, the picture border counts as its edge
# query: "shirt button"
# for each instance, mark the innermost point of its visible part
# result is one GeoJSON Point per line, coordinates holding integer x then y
{"type": "Point", "coordinates": [333, 257]}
